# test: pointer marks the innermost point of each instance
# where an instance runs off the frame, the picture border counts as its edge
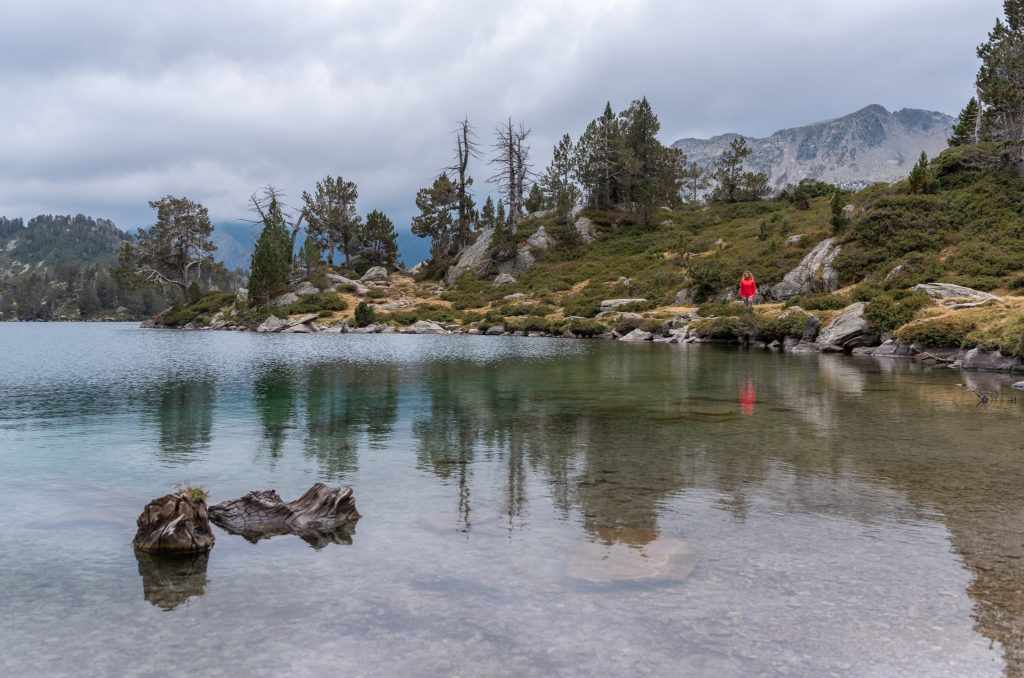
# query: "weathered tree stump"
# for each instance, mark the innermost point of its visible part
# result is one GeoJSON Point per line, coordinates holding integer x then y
{"type": "Point", "coordinates": [174, 524]}
{"type": "Point", "coordinates": [321, 516]}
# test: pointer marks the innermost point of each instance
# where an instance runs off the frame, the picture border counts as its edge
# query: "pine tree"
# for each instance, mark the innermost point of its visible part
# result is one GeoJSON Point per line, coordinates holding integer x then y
{"type": "Point", "coordinates": [964, 131]}
{"type": "Point", "coordinates": [381, 239]}
{"type": "Point", "coordinates": [310, 255]}
{"type": "Point", "coordinates": [1000, 80]}
{"type": "Point", "coordinates": [921, 179]}
{"type": "Point", "coordinates": [487, 219]}
{"type": "Point", "coordinates": [331, 215]}
{"type": "Point", "coordinates": [435, 218]}
{"type": "Point", "coordinates": [562, 191]}
{"type": "Point", "coordinates": [271, 259]}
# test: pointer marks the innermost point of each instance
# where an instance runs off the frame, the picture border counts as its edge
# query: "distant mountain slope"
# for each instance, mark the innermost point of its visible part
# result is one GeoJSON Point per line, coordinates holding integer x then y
{"type": "Point", "coordinates": [48, 240]}
{"type": "Point", "coordinates": [235, 241]}
{"type": "Point", "coordinates": [853, 151]}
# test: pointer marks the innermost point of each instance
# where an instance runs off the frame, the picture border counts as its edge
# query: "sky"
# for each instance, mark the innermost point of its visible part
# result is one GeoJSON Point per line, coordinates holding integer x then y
{"type": "Point", "coordinates": [108, 105]}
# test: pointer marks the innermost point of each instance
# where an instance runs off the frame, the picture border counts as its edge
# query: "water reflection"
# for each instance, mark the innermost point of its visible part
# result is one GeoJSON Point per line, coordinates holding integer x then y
{"type": "Point", "coordinates": [273, 395]}
{"type": "Point", "coordinates": [184, 411]}
{"type": "Point", "coordinates": [748, 396]}
{"type": "Point", "coordinates": [169, 581]}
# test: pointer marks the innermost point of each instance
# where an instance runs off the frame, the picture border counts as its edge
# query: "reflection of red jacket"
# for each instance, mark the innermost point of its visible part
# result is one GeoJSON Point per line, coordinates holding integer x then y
{"type": "Point", "coordinates": [748, 287]}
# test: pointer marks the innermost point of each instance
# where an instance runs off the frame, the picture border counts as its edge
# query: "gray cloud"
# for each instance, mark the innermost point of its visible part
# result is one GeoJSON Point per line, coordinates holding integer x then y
{"type": "Point", "coordinates": [111, 104]}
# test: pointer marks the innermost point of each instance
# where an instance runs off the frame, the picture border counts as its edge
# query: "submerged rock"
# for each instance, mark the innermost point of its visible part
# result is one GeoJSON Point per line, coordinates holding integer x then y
{"type": "Point", "coordinates": [173, 523]}
{"type": "Point", "coordinates": [606, 562]}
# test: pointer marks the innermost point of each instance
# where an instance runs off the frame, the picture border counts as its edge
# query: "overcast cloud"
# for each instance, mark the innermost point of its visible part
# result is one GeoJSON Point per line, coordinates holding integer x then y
{"type": "Point", "coordinates": [108, 104]}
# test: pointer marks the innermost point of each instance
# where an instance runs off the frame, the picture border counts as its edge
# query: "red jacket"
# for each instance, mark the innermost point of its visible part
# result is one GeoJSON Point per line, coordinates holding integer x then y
{"type": "Point", "coordinates": [748, 287]}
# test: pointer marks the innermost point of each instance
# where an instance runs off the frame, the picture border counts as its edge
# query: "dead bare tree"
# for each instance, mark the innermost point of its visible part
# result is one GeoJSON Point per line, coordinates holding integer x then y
{"type": "Point", "coordinates": [261, 199]}
{"type": "Point", "coordinates": [465, 148]}
{"type": "Point", "coordinates": [512, 159]}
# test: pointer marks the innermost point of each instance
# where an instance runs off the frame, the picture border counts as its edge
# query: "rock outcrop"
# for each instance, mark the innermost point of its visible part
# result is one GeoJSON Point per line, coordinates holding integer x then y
{"type": "Point", "coordinates": [612, 304]}
{"type": "Point", "coordinates": [377, 274]}
{"type": "Point", "coordinates": [174, 523]}
{"type": "Point", "coordinates": [322, 515]}
{"type": "Point", "coordinates": [950, 291]}
{"type": "Point", "coordinates": [472, 256]}
{"type": "Point", "coordinates": [849, 329]}
{"type": "Point", "coordinates": [814, 273]}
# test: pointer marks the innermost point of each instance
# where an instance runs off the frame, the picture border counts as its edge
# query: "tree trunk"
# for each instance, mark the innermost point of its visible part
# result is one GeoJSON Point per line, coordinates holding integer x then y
{"type": "Point", "coordinates": [173, 524]}
{"type": "Point", "coordinates": [321, 516]}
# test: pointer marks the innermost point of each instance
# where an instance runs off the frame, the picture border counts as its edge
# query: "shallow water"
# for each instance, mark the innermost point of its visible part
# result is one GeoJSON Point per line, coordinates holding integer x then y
{"type": "Point", "coordinates": [531, 507]}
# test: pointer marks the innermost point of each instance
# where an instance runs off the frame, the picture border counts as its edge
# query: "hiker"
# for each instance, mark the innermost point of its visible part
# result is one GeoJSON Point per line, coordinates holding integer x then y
{"type": "Point", "coordinates": [748, 288]}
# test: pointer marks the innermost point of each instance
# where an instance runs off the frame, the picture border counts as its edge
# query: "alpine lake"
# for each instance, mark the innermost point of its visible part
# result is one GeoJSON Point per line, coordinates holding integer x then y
{"type": "Point", "coordinates": [530, 507]}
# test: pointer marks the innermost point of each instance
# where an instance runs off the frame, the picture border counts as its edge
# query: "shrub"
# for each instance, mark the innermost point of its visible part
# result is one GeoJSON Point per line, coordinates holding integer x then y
{"type": "Point", "coordinates": [376, 293]}
{"type": "Point", "coordinates": [314, 303]}
{"type": "Point", "coordinates": [821, 301]}
{"type": "Point", "coordinates": [534, 324]}
{"type": "Point", "coordinates": [722, 327]}
{"type": "Point", "coordinates": [717, 308]}
{"type": "Point", "coordinates": [866, 291]}
{"type": "Point", "coordinates": [196, 493]}
{"type": "Point", "coordinates": [777, 328]}
{"type": "Point", "coordinates": [1016, 283]}
{"type": "Point", "coordinates": [585, 327]}
{"type": "Point", "coordinates": [984, 283]}
{"type": "Point", "coordinates": [948, 330]}
{"type": "Point", "coordinates": [895, 308]}
{"type": "Point", "coordinates": [364, 314]}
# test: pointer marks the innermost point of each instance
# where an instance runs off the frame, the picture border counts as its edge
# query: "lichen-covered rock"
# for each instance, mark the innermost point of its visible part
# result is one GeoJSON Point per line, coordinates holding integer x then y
{"type": "Point", "coordinates": [173, 523]}
{"type": "Point", "coordinates": [541, 240]}
{"type": "Point", "coordinates": [814, 273]}
{"type": "Point", "coordinates": [504, 279]}
{"type": "Point", "coordinates": [950, 291]}
{"type": "Point", "coordinates": [375, 274]}
{"type": "Point", "coordinates": [272, 324]}
{"type": "Point", "coordinates": [306, 289]}
{"type": "Point", "coordinates": [611, 304]}
{"type": "Point", "coordinates": [849, 329]}
{"type": "Point", "coordinates": [585, 229]}
{"type": "Point", "coordinates": [472, 256]}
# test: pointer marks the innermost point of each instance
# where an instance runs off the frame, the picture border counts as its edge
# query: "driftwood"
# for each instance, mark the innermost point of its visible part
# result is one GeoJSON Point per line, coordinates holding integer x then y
{"type": "Point", "coordinates": [174, 524]}
{"type": "Point", "coordinates": [323, 515]}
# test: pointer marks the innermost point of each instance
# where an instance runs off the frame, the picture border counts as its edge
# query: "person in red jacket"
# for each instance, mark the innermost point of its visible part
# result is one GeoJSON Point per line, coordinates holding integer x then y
{"type": "Point", "coordinates": [748, 288]}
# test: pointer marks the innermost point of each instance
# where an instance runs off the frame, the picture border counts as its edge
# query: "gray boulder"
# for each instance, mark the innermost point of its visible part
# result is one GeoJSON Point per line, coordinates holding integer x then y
{"type": "Point", "coordinates": [795, 239]}
{"type": "Point", "coordinates": [585, 229]}
{"type": "Point", "coordinates": [610, 304]}
{"type": "Point", "coordinates": [306, 289]}
{"type": "Point", "coordinates": [523, 260]}
{"type": "Point", "coordinates": [301, 325]}
{"type": "Point", "coordinates": [285, 299]}
{"type": "Point", "coordinates": [685, 296]}
{"type": "Point", "coordinates": [814, 273]}
{"type": "Point", "coordinates": [272, 324]}
{"type": "Point", "coordinates": [849, 329]}
{"type": "Point", "coordinates": [948, 291]}
{"type": "Point", "coordinates": [1018, 385]}
{"type": "Point", "coordinates": [471, 257]}
{"type": "Point", "coordinates": [504, 279]}
{"type": "Point", "coordinates": [242, 295]}
{"type": "Point", "coordinates": [985, 358]}
{"type": "Point", "coordinates": [375, 274]}
{"type": "Point", "coordinates": [812, 325]}
{"type": "Point", "coordinates": [894, 349]}
{"type": "Point", "coordinates": [427, 327]}
{"type": "Point", "coordinates": [637, 335]}
{"type": "Point", "coordinates": [495, 330]}
{"type": "Point", "coordinates": [541, 240]}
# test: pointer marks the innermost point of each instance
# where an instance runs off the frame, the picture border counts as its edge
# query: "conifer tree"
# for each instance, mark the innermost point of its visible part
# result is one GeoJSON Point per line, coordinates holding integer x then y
{"type": "Point", "coordinates": [562, 191]}
{"type": "Point", "coordinates": [271, 259]}
{"type": "Point", "coordinates": [331, 214]}
{"type": "Point", "coordinates": [381, 239]}
{"type": "Point", "coordinates": [435, 218]}
{"type": "Point", "coordinates": [965, 129]}
{"type": "Point", "coordinates": [1000, 80]}
{"type": "Point", "coordinates": [487, 218]}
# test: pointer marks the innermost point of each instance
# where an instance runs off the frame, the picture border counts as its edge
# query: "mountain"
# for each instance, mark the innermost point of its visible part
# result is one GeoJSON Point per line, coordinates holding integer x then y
{"type": "Point", "coordinates": [49, 240]}
{"type": "Point", "coordinates": [854, 151]}
{"type": "Point", "coordinates": [235, 241]}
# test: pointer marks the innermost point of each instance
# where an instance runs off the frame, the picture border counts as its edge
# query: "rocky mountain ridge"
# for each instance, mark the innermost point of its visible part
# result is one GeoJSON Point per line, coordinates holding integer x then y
{"type": "Point", "coordinates": [854, 151]}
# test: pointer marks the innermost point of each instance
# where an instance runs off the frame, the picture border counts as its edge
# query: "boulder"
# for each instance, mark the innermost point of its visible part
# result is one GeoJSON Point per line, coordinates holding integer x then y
{"type": "Point", "coordinates": [272, 324]}
{"type": "Point", "coordinates": [306, 289]}
{"type": "Point", "coordinates": [894, 349]}
{"type": "Point", "coordinates": [849, 329]}
{"type": "Point", "coordinates": [322, 515]}
{"type": "Point", "coordinates": [513, 297]}
{"type": "Point", "coordinates": [812, 325]}
{"type": "Point", "coordinates": [948, 291]}
{"type": "Point", "coordinates": [495, 330]}
{"type": "Point", "coordinates": [472, 256]}
{"type": "Point", "coordinates": [148, 324]}
{"type": "Point", "coordinates": [814, 273]}
{"type": "Point", "coordinates": [174, 523]}
{"type": "Point", "coordinates": [504, 279]}
{"type": "Point", "coordinates": [242, 295]}
{"type": "Point", "coordinates": [585, 229]}
{"type": "Point", "coordinates": [375, 274]}
{"type": "Point", "coordinates": [426, 327]}
{"type": "Point", "coordinates": [523, 260]}
{"type": "Point", "coordinates": [685, 296]}
{"type": "Point", "coordinates": [1018, 385]}
{"type": "Point", "coordinates": [637, 335]}
{"type": "Point", "coordinates": [795, 239]}
{"type": "Point", "coordinates": [541, 240]}
{"type": "Point", "coordinates": [609, 304]}
{"type": "Point", "coordinates": [986, 358]}
{"type": "Point", "coordinates": [285, 299]}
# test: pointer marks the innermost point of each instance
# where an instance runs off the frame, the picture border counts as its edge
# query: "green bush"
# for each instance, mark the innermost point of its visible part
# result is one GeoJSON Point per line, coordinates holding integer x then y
{"type": "Point", "coordinates": [866, 291]}
{"type": "Point", "coordinates": [364, 314]}
{"type": "Point", "coordinates": [1016, 283]}
{"type": "Point", "coordinates": [314, 303]}
{"type": "Point", "coordinates": [207, 304]}
{"type": "Point", "coordinates": [776, 328]}
{"type": "Point", "coordinates": [376, 293]}
{"type": "Point", "coordinates": [945, 331]}
{"type": "Point", "coordinates": [585, 327]}
{"type": "Point", "coordinates": [895, 308]}
{"type": "Point", "coordinates": [534, 324]}
{"type": "Point", "coordinates": [984, 283]}
{"type": "Point", "coordinates": [722, 327]}
{"type": "Point", "coordinates": [709, 309]}
{"type": "Point", "coordinates": [821, 301]}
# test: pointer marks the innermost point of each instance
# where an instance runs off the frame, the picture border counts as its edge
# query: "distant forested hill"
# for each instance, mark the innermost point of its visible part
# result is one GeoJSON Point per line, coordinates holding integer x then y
{"type": "Point", "coordinates": [49, 240]}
